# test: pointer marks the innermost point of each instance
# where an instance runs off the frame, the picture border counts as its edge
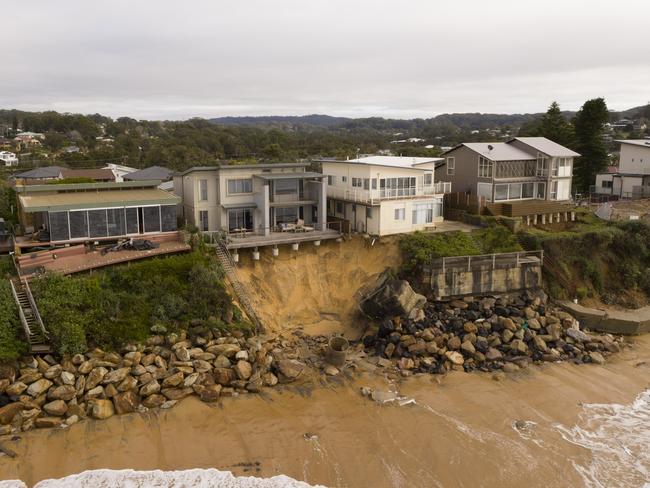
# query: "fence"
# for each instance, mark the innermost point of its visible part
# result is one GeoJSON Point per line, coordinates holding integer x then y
{"type": "Point", "coordinates": [461, 201]}
{"type": "Point", "coordinates": [490, 261]}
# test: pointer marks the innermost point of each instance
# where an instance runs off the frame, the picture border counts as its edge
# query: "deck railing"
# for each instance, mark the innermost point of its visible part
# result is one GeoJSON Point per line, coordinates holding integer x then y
{"type": "Point", "coordinates": [375, 196]}
{"type": "Point", "coordinates": [494, 261]}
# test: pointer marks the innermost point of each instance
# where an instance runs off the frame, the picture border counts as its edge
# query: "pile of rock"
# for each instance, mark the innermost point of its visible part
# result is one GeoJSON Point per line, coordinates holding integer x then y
{"type": "Point", "coordinates": [43, 392]}
{"type": "Point", "coordinates": [487, 334]}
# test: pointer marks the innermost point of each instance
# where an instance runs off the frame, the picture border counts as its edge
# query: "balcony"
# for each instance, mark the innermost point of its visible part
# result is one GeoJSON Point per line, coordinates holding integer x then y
{"type": "Point", "coordinates": [375, 196]}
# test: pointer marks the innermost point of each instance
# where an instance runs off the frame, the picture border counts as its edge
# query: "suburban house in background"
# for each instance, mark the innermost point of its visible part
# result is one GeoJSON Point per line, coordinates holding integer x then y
{"type": "Point", "coordinates": [120, 170]}
{"type": "Point", "coordinates": [46, 173]}
{"type": "Point", "coordinates": [384, 195]}
{"type": "Point", "coordinates": [631, 178]}
{"type": "Point", "coordinates": [80, 212]}
{"type": "Point", "coordinates": [153, 173]}
{"type": "Point", "coordinates": [256, 204]}
{"type": "Point", "coordinates": [523, 177]}
{"type": "Point", "coordinates": [8, 158]}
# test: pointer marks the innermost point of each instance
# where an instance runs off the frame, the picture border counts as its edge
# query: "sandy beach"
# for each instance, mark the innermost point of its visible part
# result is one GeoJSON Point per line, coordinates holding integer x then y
{"type": "Point", "coordinates": [460, 432]}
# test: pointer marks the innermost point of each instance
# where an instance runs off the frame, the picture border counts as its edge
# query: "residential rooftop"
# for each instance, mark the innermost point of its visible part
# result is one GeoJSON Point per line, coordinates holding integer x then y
{"type": "Point", "coordinates": [635, 142]}
{"type": "Point", "coordinates": [542, 144]}
{"type": "Point", "coordinates": [388, 161]}
{"type": "Point", "coordinates": [218, 167]}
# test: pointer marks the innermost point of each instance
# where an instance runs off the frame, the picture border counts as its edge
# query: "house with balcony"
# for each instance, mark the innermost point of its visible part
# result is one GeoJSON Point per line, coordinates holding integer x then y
{"type": "Point", "coordinates": [8, 158]}
{"type": "Point", "coordinates": [631, 179]}
{"type": "Point", "coordinates": [382, 195]}
{"type": "Point", "coordinates": [523, 177]}
{"type": "Point", "coordinates": [256, 205]}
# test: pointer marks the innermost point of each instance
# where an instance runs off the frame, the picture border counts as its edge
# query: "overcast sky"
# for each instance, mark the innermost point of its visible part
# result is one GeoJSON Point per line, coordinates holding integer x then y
{"type": "Point", "coordinates": [410, 58]}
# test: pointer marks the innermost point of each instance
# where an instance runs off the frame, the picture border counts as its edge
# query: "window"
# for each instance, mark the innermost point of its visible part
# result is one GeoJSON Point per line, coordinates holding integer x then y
{"type": "Point", "coordinates": [59, 230]}
{"type": "Point", "coordinates": [78, 224]}
{"type": "Point", "coordinates": [115, 221]}
{"type": "Point", "coordinates": [203, 190]}
{"type": "Point", "coordinates": [542, 165]}
{"type": "Point", "coordinates": [366, 184]}
{"type": "Point", "coordinates": [286, 187]}
{"type": "Point", "coordinates": [286, 215]}
{"type": "Point", "coordinates": [485, 190]}
{"type": "Point", "coordinates": [168, 217]}
{"type": "Point", "coordinates": [500, 192]}
{"type": "Point", "coordinates": [203, 220]}
{"type": "Point", "coordinates": [553, 190]}
{"type": "Point", "coordinates": [132, 220]}
{"type": "Point", "coordinates": [374, 183]}
{"type": "Point", "coordinates": [397, 187]}
{"type": "Point", "coordinates": [607, 184]}
{"type": "Point", "coordinates": [368, 212]}
{"type": "Point", "coordinates": [541, 191]}
{"type": "Point", "coordinates": [344, 179]}
{"type": "Point", "coordinates": [423, 213]}
{"type": "Point", "coordinates": [451, 166]}
{"type": "Point", "coordinates": [97, 223]}
{"type": "Point", "coordinates": [356, 182]}
{"type": "Point", "coordinates": [428, 179]}
{"type": "Point", "coordinates": [331, 180]}
{"type": "Point", "coordinates": [339, 207]}
{"type": "Point", "coordinates": [240, 185]}
{"type": "Point", "coordinates": [151, 219]}
{"type": "Point", "coordinates": [400, 214]}
{"type": "Point", "coordinates": [484, 167]}
{"type": "Point", "coordinates": [515, 191]}
{"type": "Point", "coordinates": [528, 190]}
{"type": "Point", "coordinates": [240, 218]}
{"type": "Point", "coordinates": [564, 167]}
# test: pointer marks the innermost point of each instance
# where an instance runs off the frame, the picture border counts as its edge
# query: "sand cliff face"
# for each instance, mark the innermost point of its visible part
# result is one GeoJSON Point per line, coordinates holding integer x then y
{"type": "Point", "coordinates": [464, 428]}
{"type": "Point", "coordinates": [315, 288]}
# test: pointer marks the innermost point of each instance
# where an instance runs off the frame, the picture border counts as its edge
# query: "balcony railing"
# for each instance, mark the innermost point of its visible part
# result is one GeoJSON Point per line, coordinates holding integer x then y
{"type": "Point", "coordinates": [371, 196]}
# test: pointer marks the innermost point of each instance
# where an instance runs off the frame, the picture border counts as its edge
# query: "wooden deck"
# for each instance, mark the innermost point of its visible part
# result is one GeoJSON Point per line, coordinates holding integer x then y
{"type": "Point", "coordinates": [280, 238]}
{"type": "Point", "coordinates": [77, 259]}
{"type": "Point", "coordinates": [528, 207]}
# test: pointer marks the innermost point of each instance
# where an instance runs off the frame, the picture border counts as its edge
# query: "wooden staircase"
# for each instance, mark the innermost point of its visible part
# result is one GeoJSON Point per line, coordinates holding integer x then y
{"type": "Point", "coordinates": [35, 332]}
{"type": "Point", "coordinates": [229, 266]}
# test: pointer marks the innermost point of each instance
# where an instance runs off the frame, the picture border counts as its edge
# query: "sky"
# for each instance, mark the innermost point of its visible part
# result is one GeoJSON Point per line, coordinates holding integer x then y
{"type": "Point", "coordinates": [160, 59]}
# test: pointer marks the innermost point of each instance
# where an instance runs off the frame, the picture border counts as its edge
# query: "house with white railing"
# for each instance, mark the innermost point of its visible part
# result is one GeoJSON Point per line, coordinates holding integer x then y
{"type": "Point", "coordinates": [384, 195]}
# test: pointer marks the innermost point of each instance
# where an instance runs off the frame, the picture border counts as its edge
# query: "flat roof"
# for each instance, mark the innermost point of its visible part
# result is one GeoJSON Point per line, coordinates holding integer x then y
{"type": "Point", "coordinates": [218, 167]}
{"type": "Point", "coordinates": [403, 162]}
{"type": "Point", "coordinates": [636, 142]}
{"type": "Point", "coordinates": [288, 176]}
{"type": "Point", "coordinates": [106, 185]}
{"type": "Point", "coordinates": [55, 202]}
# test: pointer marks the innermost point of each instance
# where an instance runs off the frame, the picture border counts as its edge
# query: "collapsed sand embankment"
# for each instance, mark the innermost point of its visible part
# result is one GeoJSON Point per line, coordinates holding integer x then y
{"type": "Point", "coordinates": [316, 288]}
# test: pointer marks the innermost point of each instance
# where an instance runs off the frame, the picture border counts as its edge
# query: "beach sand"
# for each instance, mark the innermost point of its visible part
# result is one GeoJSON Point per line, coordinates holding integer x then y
{"type": "Point", "coordinates": [460, 433]}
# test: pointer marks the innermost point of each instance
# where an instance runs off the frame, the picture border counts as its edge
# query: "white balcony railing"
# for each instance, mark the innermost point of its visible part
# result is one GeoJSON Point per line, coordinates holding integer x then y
{"type": "Point", "coordinates": [371, 196]}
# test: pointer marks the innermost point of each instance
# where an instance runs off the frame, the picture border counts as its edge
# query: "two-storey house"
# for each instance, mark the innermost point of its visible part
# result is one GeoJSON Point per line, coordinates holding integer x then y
{"type": "Point", "coordinates": [383, 195]}
{"type": "Point", "coordinates": [509, 173]}
{"type": "Point", "coordinates": [256, 204]}
{"type": "Point", "coordinates": [631, 179]}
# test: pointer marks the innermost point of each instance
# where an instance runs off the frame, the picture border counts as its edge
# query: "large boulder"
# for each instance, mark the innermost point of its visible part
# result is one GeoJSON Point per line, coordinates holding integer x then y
{"type": "Point", "coordinates": [290, 369]}
{"type": "Point", "coordinates": [101, 409]}
{"type": "Point", "coordinates": [126, 402]}
{"type": "Point", "coordinates": [38, 387]}
{"type": "Point", "coordinates": [63, 392]}
{"type": "Point", "coordinates": [393, 298]}
{"type": "Point", "coordinates": [8, 412]}
{"type": "Point", "coordinates": [57, 408]}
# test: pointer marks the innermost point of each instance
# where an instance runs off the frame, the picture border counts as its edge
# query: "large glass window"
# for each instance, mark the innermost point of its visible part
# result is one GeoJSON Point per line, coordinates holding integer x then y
{"type": "Point", "coordinates": [500, 192]}
{"type": "Point", "coordinates": [528, 190]}
{"type": "Point", "coordinates": [78, 224]}
{"type": "Point", "coordinates": [397, 187]}
{"type": "Point", "coordinates": [541, 191]}
{"type": "Point", "coordinates": [203, 190]}
{"type": "Point", "coordinates": [484, 167]}
{"type": "Point", "coordinates": [423, 213]}
{"type": "Point", "coordinates": [151, 219]}
{"type": "Point", "coordinates": [451, 166]}
{"type": "Point", "coordinates": [97, 223]}
{"type": "Point", "coordinates": [59, 230]}
{"type": "Point", "coordinates": [286, 187]}
{"type": "Point", "coordinates": [168, 217]}
{"type": "Point", "coordinates": [115, 221]}
{"type": "Point", "coordinates": [240, 185]}
{"type": "Point", "coordinates": [241, 218]}
{"type": "Point", "coordinates": [286, 215]}
{"type": "Point", "coordinates": [542, 165]}
{"type": "Point", "coordinates": [515, 191]}
{"type": "Point", "coordinates": [131, 220]}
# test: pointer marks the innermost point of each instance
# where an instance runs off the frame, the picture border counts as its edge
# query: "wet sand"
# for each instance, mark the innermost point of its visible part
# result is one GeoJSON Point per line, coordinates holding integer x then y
{"type": "Point", "coordinates": [460, 433]}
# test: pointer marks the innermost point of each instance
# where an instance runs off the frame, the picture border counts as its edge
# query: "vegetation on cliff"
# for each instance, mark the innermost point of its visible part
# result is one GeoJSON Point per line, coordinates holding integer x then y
{"type": "Point", "coordinates": [123, 303]}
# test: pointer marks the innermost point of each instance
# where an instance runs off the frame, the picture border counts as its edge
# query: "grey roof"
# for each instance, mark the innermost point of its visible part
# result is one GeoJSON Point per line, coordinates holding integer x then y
{"type": "Point", "coordinates": [635, 142]}
{"type": "Point", "coordinates": [41, 173]}
{"type": "Point", "coordinates": [500, 151]}
{"type": "Point", "coordinates": [546, 146]}
{"type": "Point", "coordinates": [217, 167]}
{"type": "Point", "coordinates": [151, 173]}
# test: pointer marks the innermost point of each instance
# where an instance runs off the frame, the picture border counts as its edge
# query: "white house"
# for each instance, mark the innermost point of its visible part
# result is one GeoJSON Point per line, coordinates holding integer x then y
{"type": "Point", "coordinates": [384, 195]}
{"type": "Point", "coordinates": [632, 177]}
{"type": "Point", "coordinates": [8, 158]}
{"type": "Point", "coordinates": [120, 171]}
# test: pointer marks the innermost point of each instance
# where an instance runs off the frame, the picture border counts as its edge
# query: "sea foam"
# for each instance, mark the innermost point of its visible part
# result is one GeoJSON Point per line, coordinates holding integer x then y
{"type": "Point", "coordinates": [618, 437]}
{"type": "Point", "coordinates": [192, 478]}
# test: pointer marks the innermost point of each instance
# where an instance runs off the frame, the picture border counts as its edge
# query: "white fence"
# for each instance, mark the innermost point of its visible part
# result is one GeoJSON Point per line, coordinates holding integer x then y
{"type": "Point", "coordinates": [371, 196]}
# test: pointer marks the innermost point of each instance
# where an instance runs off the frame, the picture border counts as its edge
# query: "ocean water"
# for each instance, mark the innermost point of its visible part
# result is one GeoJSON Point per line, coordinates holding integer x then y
{"type": "Point", "coordinates": [618, 437]}
{"type": "Point", "coordinates": [192, 478]}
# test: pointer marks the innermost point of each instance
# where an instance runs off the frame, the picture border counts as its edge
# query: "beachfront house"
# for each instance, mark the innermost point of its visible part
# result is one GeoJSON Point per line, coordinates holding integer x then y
{"type": "Point", "coordinates": [631, 179]}
{"type": "Point", "coordinates": [521, 177]}
{"type": "Point", "coordinates": [63, 214]}
{"type": "Point", "coordinates": [382, 195]}
{"type": "Point", "coordinates": [255, 204]}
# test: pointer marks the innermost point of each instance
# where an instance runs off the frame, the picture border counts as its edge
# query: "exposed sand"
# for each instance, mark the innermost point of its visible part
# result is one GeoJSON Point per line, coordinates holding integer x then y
{"type": "Point", "coordinates": [459, 434]}
{"type": "Point", "coordinates": [314, 289]}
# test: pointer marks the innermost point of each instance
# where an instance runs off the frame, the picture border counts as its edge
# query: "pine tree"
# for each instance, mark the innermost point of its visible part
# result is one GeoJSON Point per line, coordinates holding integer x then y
{"type": "Point", "coordinates": [556, 127]}
{"type": "Point", "coordinates": [588, 124]}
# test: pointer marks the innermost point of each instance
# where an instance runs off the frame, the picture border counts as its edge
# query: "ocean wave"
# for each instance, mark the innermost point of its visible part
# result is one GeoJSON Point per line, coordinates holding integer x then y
{"type": "Point", "coordinates": [618, 437]}
{"type": "Point", "coordinates": [192, 478]}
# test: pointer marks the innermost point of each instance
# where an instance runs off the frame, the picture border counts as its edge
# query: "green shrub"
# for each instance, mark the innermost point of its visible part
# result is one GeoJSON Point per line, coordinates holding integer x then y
{"type": "Point", "coordinates": [497, 239]}
{"type": "Point", "coordinates": [11, 344]}
{"type": "Point", "coordinates": [582, 292]}
{"type": "Point", "coordinates": [420, 248]}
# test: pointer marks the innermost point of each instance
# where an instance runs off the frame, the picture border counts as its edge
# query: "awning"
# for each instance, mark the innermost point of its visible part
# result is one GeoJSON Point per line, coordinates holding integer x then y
{"type": "Point", "coordinates": [230, 206]}
{"type": "Point", "coordinates": [56, 202]}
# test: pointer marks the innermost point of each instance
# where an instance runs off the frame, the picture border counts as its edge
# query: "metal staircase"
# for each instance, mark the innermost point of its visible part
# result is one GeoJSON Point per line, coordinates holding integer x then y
{"type": "Point", "coordinates": [35, 332]}
{"type": "Point", "coordinates": [238, 287]}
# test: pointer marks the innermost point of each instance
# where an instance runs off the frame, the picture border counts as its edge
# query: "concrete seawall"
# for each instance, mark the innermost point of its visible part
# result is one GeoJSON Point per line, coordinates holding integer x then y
{"type": "Point", "coordinates": [629, 322]}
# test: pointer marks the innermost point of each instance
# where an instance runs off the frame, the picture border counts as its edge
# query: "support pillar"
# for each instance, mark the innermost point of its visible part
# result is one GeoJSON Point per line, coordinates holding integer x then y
{"type": "Point", "coordinates": [535, 219]}
{"type": "Point", "coordinates": [543, 219]}
{"type": "Point", "coordinates": [573, 216]}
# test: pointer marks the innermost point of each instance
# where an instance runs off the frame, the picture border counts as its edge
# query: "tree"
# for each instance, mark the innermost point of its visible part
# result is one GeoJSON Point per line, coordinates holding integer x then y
{"type": "Point", "coordinates": [588, 124]}
{"type": "Point", "coordinates": [556, 127]}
